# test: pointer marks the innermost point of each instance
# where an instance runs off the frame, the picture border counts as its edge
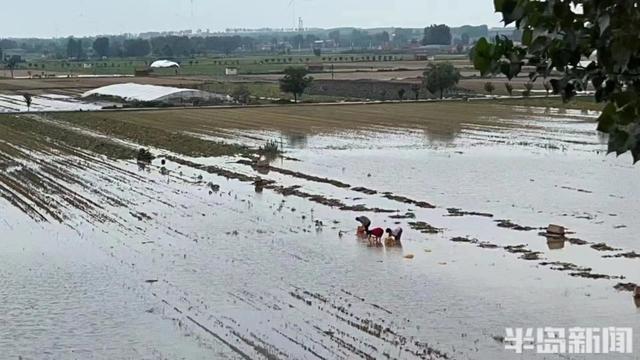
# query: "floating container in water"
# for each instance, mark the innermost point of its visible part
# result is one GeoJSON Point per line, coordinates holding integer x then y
{"type": "Point", "coordinates": [556, 230]}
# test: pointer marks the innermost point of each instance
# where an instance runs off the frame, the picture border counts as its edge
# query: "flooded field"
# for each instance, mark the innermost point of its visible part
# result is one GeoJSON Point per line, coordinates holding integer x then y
{"type": "Point", "coordinates": [202, 254]}
{"type": "Point", "coordinates": [46, 102]}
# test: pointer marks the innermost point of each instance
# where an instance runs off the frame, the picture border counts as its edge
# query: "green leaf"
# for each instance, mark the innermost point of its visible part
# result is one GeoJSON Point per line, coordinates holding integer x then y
{"type": "Point", "coordinates": [484, 56]}
{"type": "Point", "coordinates": [635, 149]}
{"type": "Point", "coordinates": [603, 22]}
{"type": "Point", "coordinates": [620, 54]}
{"type": "Point", "coordinates": [618, 142]}
{"type": "Point", "coordinates": [527, 37]}
{"type": "Point", "coordinates": [608, 118]}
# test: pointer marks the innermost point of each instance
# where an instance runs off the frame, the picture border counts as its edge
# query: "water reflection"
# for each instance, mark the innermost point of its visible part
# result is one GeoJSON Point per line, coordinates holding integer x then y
{"type": "Point", "coordinates": [555, 243]}
{"type": "Point", "coordinates": [603, 138]}
{"type": "Point", "coordinates": [297, 140]}
{"type": "Point", "coordinates": [442, 135]}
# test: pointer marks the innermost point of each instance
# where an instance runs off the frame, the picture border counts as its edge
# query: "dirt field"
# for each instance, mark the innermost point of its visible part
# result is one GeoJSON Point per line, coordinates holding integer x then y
{"type": "Point", "coordinates": [308, 119]}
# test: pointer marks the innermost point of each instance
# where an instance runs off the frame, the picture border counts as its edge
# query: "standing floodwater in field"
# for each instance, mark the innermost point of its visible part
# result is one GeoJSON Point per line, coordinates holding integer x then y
{"type": "Point", "coordinates": [197, 263]}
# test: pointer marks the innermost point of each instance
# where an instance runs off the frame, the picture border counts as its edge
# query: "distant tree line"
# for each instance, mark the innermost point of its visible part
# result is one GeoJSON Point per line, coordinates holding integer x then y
{"type": "Point", "coordinates": [185, 46]}
{"type": "Point", "coordinates": [165, 46]}
{"type": "Point", "coordinates": [437, 35]}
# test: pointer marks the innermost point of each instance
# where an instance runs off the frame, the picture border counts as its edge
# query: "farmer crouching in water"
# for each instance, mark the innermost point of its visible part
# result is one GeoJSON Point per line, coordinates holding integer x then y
{"type": "Point", "coordinates": [396, 233]}
{"type": "Point", "coordinates": [363, 230]}
{"type": "Point", "coordinates": [394, 236]}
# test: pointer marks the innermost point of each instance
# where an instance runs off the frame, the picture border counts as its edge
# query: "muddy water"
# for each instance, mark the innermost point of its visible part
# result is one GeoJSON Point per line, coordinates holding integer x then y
{"type": "Point", "coordinates": [47, 102]}
{"type": "Point", "coordinates": [165, 265]}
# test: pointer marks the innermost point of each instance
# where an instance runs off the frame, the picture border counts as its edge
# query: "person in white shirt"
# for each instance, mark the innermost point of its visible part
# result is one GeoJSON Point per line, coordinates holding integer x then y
{"type": "Point", "coordinates": [396, 233]}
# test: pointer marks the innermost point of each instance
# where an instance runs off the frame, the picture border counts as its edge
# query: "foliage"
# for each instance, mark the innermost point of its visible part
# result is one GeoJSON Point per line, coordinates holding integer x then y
{"type": "Point", "coordinates": [270, 149]}
{"type": "Point", "coordinates": [441, 77]}
{"type": "Point", "coordinates": [295, 81]}
{"type": "Point", "coordinates": [489, 87]}
{"type": "Point", "coordinates": [335, 36]}
{"type": "Point", "coordinates": [360, 38]}
{"type": "Point", "coordinates": [241, 94]}
{"type": "Point", "coordinates": [437, 35]}
{"type": "Point", "coordinates": [402, 37]}
{"type": "Point", "coordinates": [101, 46]}
{"type": "Point", "coordinates": [415, 88]}
{"type": "Point", "coordinates": [464, 39]}
{"type": "Point", "coordinates": [74, 49]}
{"type": "Point", "coordinates": [509, 88]}
{"type": "Point", "coordinates": [559, 36]}
{"type": "Point", "coordinates": [136, 47]}
{"type": "Point", "coordinates": [473, 31]}
{"type": "Point", "coordinates": [12, 63]}
{"type": "Point", "coordinates": [145, 156]}
{"type": "Point", "coordinates": [401, 94]}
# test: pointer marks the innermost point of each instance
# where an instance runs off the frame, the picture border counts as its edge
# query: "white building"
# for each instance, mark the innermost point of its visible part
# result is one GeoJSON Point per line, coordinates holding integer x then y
{"type": "Point", "coordinates": [132, 92]}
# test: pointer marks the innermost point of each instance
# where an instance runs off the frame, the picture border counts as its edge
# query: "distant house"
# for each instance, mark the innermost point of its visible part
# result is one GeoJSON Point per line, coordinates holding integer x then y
{"type": "Point", "coordinates": [231, 71]}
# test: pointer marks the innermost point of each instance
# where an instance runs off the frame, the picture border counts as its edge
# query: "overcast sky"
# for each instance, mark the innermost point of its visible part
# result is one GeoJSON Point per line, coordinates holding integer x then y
{"type": "Point", "coordinates": [61, 18]}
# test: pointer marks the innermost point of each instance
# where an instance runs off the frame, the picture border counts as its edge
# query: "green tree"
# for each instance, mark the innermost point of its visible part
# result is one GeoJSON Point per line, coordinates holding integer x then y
{"type": "Point", "coordinates": [402, 37]}
{"type": "Point", "coordinates": [241, 94]}
{"type": "Point", "coordinates": [295, 81]}
{"type": "Point", "coordinates": [75, 49]}
{"type": "Point", "coordinates": [12, 63]}
{"type": "Point", "coordinates": [437, 35]}
{"type": "Point", "coordinates": [441, 77]}
{"type": "Point", "coordinates": [101, 46]}
{"type": "Point", "coordinates": [415, 88]}
{"type": "Point", "coordinates": [401, 93]}
{"type": "Point", "coordinates": [136, 47]}
{"type": "Point", "coordinates": [465, 39]}
{"type": "Point", "coordinates": [335, 36]}
{"type": "Point", "coordinates": [587, 41]}
{"type": "Point", "coordinates": [489, 87]}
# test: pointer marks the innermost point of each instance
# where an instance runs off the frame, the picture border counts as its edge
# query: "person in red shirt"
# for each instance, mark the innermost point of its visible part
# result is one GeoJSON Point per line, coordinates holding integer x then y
{"type": "Point", "coordinates": [375, 236]}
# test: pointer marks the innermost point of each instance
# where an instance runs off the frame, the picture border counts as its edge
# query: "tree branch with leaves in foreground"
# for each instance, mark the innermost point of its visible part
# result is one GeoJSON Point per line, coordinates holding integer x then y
{"type": "Point", "coordinates": [590, 43]}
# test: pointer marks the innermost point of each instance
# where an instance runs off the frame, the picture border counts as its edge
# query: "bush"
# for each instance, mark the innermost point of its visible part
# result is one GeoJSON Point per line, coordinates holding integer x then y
{"type": "Point", "coordinates": [145, 156]}
{"type": "Point", "coordinates": [489, 87]}
{"type": "Point", "coordinates": [271, 148]}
